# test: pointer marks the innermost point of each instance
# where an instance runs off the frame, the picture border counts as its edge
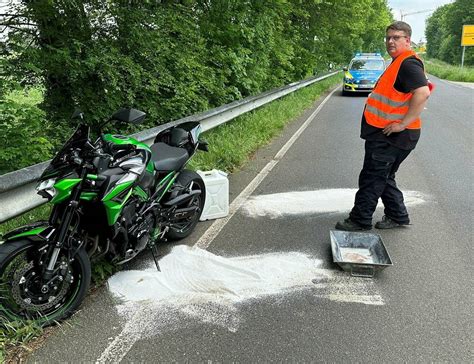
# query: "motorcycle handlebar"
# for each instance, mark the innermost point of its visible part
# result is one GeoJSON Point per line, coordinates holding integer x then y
{"type": "Point", "coordinates": [74, 157]}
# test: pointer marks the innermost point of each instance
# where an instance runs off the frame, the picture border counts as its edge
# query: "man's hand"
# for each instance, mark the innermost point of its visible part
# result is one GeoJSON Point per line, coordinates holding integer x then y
{"type": "Point", "coordinates": [416, 106]}
{"type": "Point", "coordinates": [393, 128]}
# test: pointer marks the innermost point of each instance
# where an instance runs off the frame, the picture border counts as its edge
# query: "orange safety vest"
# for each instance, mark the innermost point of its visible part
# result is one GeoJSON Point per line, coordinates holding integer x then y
{"type": "Point", "coordinates": [385, 104]}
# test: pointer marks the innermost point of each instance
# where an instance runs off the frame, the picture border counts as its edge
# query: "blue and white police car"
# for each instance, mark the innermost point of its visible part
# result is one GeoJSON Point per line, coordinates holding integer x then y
{"type": "Point", "coordinates": [363, 72]}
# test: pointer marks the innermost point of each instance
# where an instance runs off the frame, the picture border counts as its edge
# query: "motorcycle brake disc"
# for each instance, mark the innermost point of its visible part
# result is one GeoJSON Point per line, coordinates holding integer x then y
{"type": "Point", "coordinates": [31, 300]}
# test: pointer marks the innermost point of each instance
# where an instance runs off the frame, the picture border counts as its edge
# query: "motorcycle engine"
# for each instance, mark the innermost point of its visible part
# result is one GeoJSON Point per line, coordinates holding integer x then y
{"type": "Point", "coordinates": [126, 225]}
{"type": "Point", "coordinates": [133, 230]}
{"type": "Point", "coordinates": [140, 233]}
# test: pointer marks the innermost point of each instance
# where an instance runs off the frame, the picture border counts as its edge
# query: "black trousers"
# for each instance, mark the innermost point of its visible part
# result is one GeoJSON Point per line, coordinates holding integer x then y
{"type": "Point", "coordinates": [377, 180]}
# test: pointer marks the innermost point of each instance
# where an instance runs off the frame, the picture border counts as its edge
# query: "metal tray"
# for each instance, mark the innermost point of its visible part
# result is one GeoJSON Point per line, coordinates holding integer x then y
{"type": "Point", "coordinates": [362, 254]}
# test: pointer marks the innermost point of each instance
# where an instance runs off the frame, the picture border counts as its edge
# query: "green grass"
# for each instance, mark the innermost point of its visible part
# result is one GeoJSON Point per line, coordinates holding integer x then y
{"type": "Point", "coordinates": [449, 72]}
{"type": "Point", "coordinates": [39, 213]}
{"type": "Point", "coordinates": [230, 145]}
{"type": "Point", "coordinates": [16, 333]}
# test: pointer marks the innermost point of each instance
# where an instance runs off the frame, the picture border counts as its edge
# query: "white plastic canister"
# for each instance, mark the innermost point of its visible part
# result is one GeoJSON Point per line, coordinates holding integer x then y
{"type": "Point", "coordinates": [217, 194]}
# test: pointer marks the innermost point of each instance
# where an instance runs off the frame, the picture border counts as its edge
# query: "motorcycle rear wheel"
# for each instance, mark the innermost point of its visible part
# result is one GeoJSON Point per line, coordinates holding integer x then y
{"type": "Point", "coordinates": [21, 294]}
{"type": "Point", "coordinates": [193, 181]}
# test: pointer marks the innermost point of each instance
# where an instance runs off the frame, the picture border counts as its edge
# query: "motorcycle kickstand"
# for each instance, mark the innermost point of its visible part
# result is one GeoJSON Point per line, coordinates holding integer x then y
{"type": "Point", "coordinates": [154, 249]}
{"type": "Point", "coordinates": [154, 252]}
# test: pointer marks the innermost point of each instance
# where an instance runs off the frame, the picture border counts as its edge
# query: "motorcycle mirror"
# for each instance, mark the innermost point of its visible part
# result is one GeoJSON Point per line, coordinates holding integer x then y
{"type": "Point", "coordinates": [132, 116]}
{"type": "Point", "coordinates": [203, 145]}
{"type": "Point", "coordinates": [77, 114]}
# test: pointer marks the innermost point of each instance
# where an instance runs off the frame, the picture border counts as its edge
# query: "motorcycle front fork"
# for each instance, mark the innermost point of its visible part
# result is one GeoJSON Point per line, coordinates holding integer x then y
{"type": "Point", "coordinates": [64, 229]}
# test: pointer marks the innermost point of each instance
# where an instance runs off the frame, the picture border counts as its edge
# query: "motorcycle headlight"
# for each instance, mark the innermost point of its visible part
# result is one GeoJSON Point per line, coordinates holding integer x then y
{"type": "Point", "coordinates": [46, 188]}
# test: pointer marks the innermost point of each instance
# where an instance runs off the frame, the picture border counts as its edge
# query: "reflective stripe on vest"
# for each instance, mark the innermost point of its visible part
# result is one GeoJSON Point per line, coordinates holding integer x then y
{"type": "Point", "coordinates": [385, 104]}
{"type": "Point", "coordinates": [380, 114]}
{"type": "Point", "coordinates": [387, 101]}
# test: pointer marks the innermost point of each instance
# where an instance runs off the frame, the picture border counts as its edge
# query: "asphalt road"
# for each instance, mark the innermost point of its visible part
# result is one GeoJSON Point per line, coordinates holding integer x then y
{"type": "Point", "coordinates": [419, 310]}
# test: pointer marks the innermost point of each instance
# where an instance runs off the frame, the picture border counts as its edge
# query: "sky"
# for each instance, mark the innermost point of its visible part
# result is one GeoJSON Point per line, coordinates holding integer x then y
{"type": "Point", "coordinates": [416, 21]}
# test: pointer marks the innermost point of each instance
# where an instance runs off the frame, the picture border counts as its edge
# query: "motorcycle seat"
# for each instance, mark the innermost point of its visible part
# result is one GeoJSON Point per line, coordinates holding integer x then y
{"type": "Point", "coordinates": [168, 158]}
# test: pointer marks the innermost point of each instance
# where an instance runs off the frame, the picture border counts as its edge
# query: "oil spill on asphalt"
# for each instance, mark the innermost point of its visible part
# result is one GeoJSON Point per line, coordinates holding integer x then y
{"type": "Point", "coordinates": [196, 286]}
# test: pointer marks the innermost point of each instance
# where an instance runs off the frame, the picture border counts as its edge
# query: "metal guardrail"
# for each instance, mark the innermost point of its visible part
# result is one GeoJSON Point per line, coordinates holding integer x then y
{"type": "Point", "coordinates": [17, 189]}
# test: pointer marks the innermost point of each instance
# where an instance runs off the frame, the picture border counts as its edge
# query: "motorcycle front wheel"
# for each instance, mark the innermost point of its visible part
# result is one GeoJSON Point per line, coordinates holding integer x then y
{"type": "Point", "coordinates": [25, 295]}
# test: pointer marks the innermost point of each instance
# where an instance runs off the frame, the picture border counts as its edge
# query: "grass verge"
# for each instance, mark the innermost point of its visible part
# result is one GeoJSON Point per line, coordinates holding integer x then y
{"type": "Point", "coordinates": [230, 145]}
{"type": "Point", "coordinates": [16, 335]}
{"type": "Point", "coordinates": [447, 71]}
{"type": "Point", "coordinates": [39, 213]}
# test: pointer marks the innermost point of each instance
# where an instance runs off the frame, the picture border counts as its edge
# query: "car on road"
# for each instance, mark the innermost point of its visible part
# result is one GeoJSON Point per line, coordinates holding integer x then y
{"type": "Point", "coordinates": [363, 72]}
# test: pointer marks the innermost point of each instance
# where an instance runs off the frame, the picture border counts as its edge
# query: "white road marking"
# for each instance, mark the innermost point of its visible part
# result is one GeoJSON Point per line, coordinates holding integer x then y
{"type": "Point", "coordinates": [122, 344]}
{"type": "Point", "coordinates": [216, 227]}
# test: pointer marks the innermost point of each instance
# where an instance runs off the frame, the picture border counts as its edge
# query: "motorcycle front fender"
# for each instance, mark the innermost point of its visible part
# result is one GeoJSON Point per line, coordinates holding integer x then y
{"type": "Point", "coordinates": [36, 231]}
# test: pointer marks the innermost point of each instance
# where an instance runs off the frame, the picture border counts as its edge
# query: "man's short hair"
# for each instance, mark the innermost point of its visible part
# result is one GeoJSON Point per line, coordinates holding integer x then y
{"type": "Point", "coordinates": [400, 25]}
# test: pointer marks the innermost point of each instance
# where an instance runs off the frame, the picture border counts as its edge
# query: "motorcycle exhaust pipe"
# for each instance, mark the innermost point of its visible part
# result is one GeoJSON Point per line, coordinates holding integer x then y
{"type": "Point", "coordinates": [184, 213]}
{"type": "Point", "coordinates": [178, 200]}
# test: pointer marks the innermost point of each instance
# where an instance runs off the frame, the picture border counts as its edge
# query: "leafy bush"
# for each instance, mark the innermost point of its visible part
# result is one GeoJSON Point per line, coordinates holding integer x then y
{"type": "Point", "coordinates": [24, 137]}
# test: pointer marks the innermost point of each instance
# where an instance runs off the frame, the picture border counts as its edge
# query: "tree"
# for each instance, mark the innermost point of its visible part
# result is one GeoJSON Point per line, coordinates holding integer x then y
{"type": "Point", "coordinates": [435, 31]}
{"type": "Point", "coordinates": [444, 30]}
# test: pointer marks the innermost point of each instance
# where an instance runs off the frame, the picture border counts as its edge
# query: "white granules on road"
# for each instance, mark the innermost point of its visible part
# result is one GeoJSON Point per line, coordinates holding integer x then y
{"type": "Point", "coordinates": [312, 202]}
{"type": "Point", "coordinates": [192, 273]}
{"type": "Point", "coordinates": [197, 286]}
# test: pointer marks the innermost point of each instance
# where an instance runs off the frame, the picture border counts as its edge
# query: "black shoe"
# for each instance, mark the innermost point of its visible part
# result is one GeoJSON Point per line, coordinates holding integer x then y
{"type": "Point", "coordinates": [349, 225]}
{"type": "Point", "coordinates": [387, 223]}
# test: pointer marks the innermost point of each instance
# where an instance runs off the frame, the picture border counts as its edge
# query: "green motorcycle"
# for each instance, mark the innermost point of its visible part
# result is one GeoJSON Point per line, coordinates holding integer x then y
{"type": "Point", "coordinates": [113, 198]}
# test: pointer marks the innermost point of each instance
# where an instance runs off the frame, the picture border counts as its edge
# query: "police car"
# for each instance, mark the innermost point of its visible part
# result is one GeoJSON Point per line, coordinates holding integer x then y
{"type": "Point", "coordinates": [363, 72]}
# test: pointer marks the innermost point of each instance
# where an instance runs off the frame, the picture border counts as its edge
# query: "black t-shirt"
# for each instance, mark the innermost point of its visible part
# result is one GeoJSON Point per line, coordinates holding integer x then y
{"type": "Point", "coordinates": [411, 75]}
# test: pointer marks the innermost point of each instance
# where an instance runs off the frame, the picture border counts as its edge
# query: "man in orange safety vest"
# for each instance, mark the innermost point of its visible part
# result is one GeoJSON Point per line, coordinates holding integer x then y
{"type": "Point", "coordinates": [391, 128]}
